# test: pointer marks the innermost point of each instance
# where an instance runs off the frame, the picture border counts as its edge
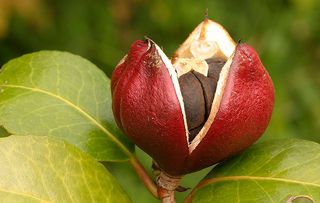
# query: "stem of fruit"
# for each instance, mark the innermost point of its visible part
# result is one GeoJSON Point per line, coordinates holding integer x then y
{"type": "Point", "coordinates": [143, 175]}
{"type": "Point", "coordinates": [166, 196]}
{"type": "Point", "coordinates": [166, 186]}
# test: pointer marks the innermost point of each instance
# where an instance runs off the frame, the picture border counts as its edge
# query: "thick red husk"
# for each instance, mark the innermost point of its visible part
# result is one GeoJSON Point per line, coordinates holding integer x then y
{"type": "Point", "coordinates": [147, 109]}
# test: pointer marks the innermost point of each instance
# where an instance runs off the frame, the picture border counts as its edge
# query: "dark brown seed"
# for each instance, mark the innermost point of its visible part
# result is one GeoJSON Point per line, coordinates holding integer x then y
{"type": "Point", "coordinates": [208, 88]}
{"type": "Point", "coordinates": [198, 94]}
{"type": "Point", "coordinates": [215, 66]}
{"type": "Point", "coordinates": [194, 102]}
{"type": "Point", "coordinates": [193, 133]}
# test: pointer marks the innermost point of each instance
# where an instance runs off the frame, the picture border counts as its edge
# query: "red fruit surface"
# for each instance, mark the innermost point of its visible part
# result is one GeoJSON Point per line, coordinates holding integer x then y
{"type": "Point", "coordinates": [146, 107]}
{"type": "Point", "coordinates": [244, 112]}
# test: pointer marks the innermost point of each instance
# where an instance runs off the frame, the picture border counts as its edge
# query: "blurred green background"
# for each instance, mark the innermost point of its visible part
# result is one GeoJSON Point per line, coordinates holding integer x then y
{"type": "Point", "coordinates": [286, 34]}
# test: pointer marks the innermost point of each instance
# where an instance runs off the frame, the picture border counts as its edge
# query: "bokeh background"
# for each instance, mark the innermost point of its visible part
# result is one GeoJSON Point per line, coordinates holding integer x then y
{"type": "Point", "coordinates": [286, 34]}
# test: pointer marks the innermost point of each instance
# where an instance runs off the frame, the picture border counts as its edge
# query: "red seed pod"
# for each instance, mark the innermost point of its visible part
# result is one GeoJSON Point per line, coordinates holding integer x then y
{"type": "Point", "coordinates": [212, 100]}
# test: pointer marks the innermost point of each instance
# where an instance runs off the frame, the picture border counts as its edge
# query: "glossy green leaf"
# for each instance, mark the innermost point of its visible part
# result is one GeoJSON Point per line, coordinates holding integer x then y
{"type": "Point", "coordinates": [63, 95]}
{"type": "Point", "coordinates": [44, 169]}
{"type": "Point", "coordinates": [273, 171]}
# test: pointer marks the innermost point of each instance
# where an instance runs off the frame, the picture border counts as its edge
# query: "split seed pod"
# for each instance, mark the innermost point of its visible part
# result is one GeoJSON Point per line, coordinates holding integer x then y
{"type": "Point", "coordinates": [212, 100]}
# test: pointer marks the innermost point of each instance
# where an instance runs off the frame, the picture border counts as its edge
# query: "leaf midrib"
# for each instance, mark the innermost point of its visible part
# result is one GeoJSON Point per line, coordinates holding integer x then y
{"type": "Point", "coordinates": [26, 195]}
{"type": "Point", "coordinates": [72, 105]}
{"type": "Point", "coordinates": [254, 178]}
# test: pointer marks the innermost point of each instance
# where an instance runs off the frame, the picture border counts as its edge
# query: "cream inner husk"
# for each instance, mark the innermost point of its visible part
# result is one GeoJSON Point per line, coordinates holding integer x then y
{"type": "Point", "coordinates": [208, 40]}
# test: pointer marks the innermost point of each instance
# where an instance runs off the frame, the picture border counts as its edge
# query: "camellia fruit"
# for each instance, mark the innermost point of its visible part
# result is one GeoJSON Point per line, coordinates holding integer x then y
{"type": "Point", "coordinates": [213, 99]}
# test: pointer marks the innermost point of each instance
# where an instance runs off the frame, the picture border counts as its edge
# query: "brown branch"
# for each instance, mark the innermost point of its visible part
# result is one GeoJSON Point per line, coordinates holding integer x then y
{"type": "Point", "coordinates": [143, 175]}
{"type": "Point", "coordinates": [167, 185]}
{"type": "Point", "coordinates": [166, 196]}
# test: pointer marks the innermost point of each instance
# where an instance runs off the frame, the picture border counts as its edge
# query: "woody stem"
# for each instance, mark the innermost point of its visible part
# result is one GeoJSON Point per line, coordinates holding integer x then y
{"type": "Point", "coordinates": [166, 186]}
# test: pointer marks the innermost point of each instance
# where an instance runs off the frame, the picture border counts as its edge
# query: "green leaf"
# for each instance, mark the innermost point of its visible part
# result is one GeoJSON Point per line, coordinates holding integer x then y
{"type": "Point", "coordinates": [274, 171]}
{"type": "Point", "coordinates": [44, 169]}
{"type": "Point", "coordinates": [62, 95]}
{"type": "Point", "coordinates": [3, 132]}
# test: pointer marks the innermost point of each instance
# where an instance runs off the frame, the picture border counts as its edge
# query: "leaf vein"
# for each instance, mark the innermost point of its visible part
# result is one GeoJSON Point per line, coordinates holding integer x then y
{"type": "Point", "coordinates": [85, 114]}
{"type": "Point", "coordinates": [25, 194]}
{"type": "Point", "coordinates": [237, 178]}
